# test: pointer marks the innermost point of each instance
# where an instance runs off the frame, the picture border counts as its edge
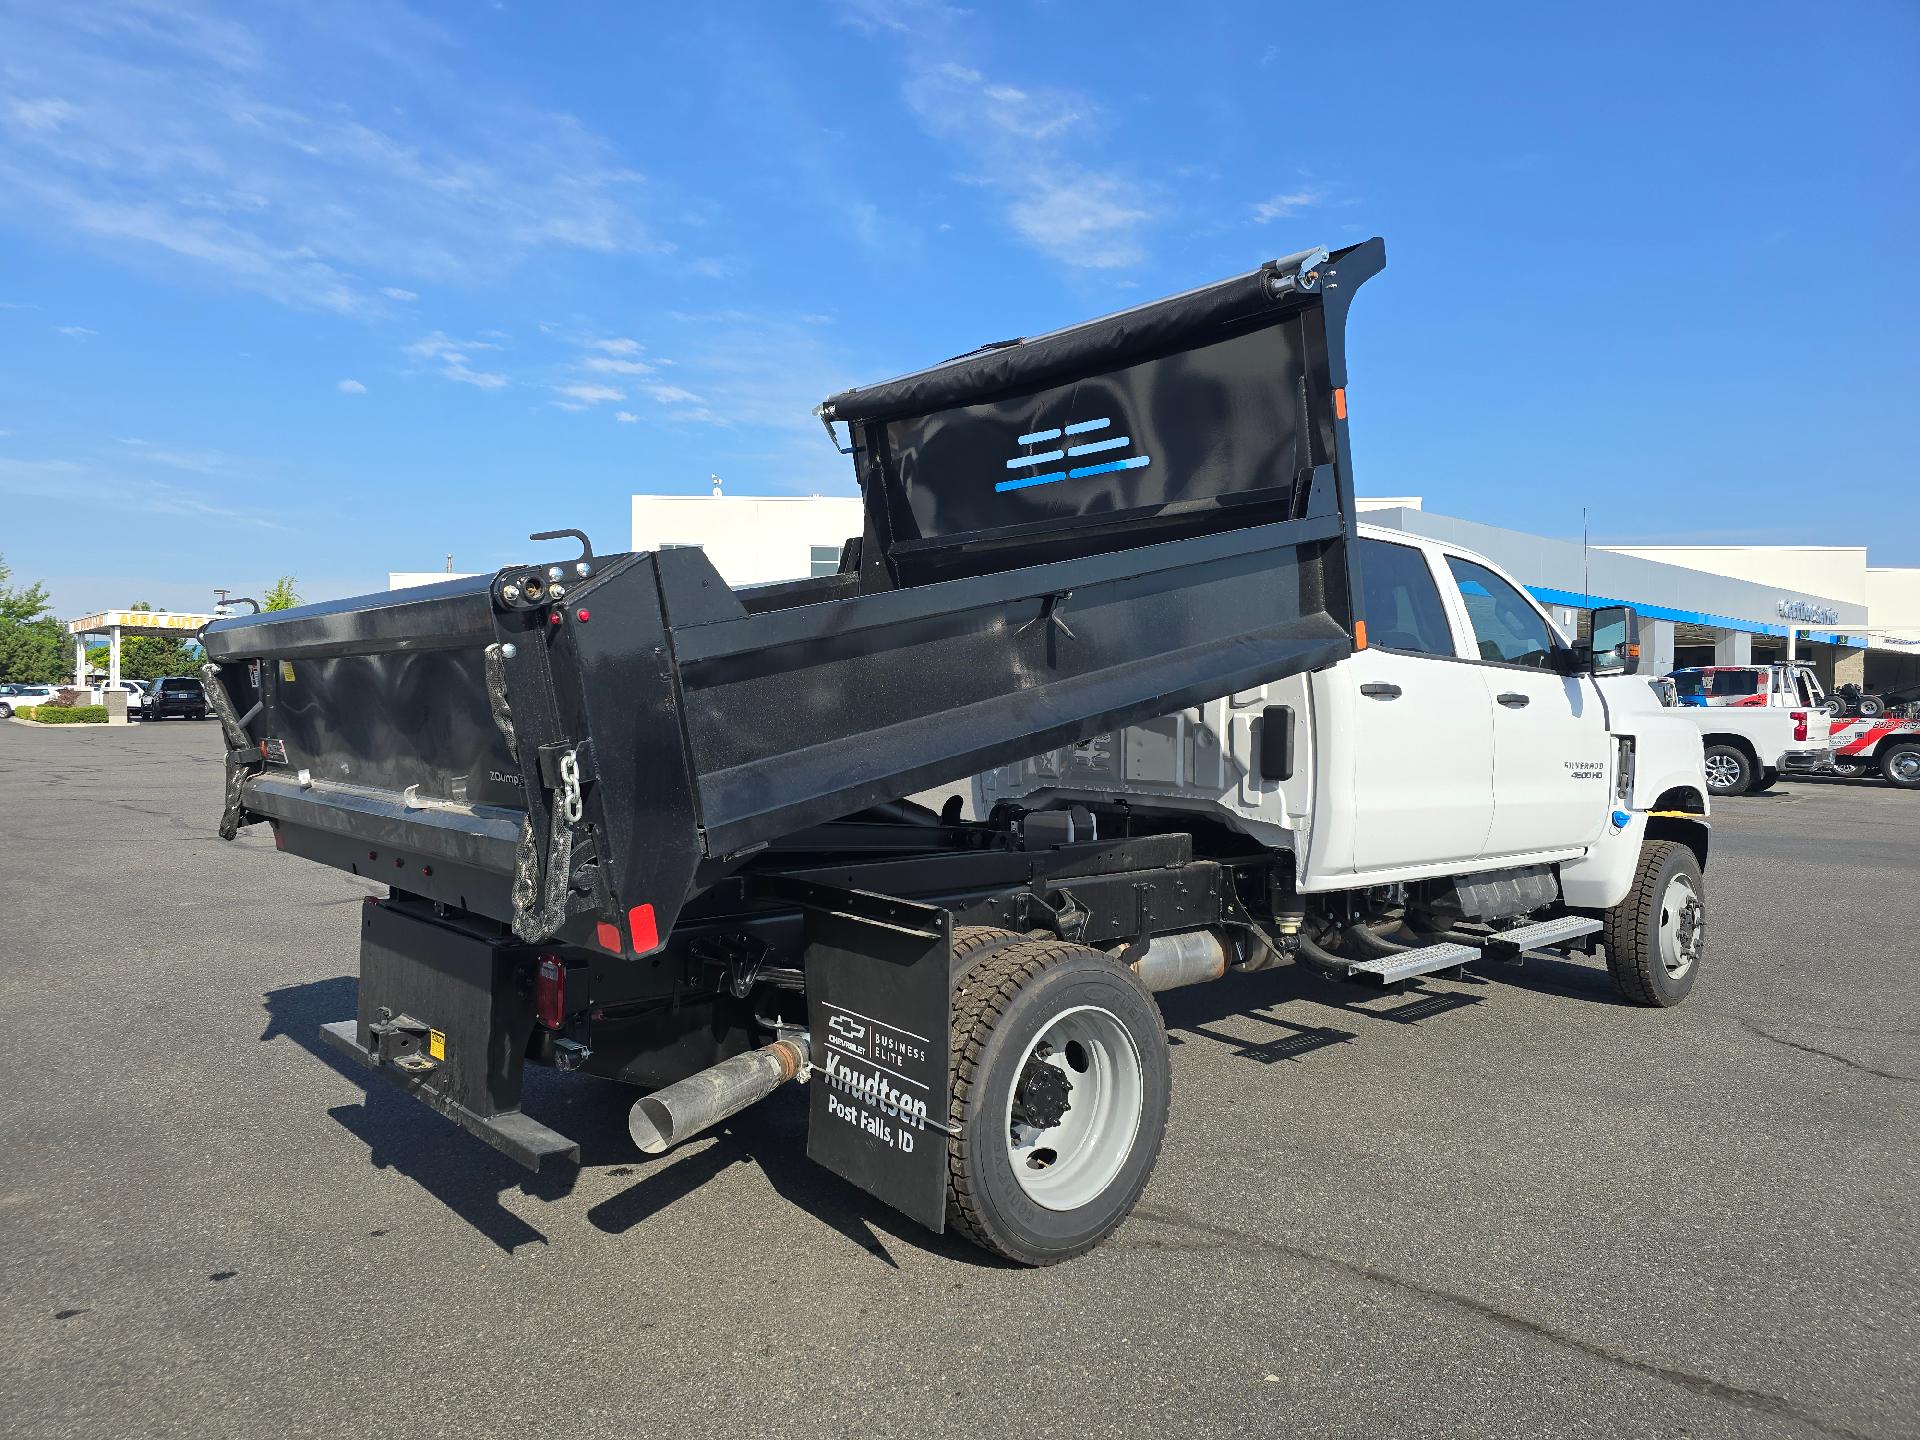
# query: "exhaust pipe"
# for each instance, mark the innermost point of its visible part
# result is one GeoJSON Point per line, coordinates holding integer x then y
{"type": "Point", "coordinates": [1189, 958]}
{"type": "Point", "coordinates": [663, 1119]}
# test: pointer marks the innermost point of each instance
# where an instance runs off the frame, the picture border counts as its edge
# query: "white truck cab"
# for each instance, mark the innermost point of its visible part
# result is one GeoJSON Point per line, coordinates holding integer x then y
{"type": "Point", "coordinates": [1468, 744]}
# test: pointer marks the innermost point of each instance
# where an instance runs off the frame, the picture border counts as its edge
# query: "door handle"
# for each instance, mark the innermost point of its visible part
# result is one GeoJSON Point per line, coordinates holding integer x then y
{"type": "Point", "coordinates": [1514, 700]}
{"type": "Point", "coordinates": [1380, 690]}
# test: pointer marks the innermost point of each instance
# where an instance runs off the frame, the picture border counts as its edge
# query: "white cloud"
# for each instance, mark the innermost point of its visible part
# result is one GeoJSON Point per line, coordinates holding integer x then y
{"type": "Point", "coordinates": [78, 332]}
{"type": "Point", "coordinates": [625, 417]}
{"type": "Point", "coordinates": [616, 345]}
{"type": "Point", "coordinates": [585, 395]}
{"type": "Point", "coordinates": [608, 365]}
{"type": "Point", "coordinates": [64, 479]}
{"type": "Point", "coordinates": [451, 355]}
{"type": "Point", "coordinates": [1036, 148]}
{"type": "Point", "coordinates": [394, 292]}
{"type": "Point", "coordinates": [351, 387]}
{"type": "Point", "coordinates": [160, 136]}
{"type": "Point", "coordinates": [672, 395]}
{"type": "Point", "coordinates": [1285, 206]}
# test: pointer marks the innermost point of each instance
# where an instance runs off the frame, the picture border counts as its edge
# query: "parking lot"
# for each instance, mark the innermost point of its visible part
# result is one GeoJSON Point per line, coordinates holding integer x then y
{"type": "Point", "coordinates": [1505, 1205]}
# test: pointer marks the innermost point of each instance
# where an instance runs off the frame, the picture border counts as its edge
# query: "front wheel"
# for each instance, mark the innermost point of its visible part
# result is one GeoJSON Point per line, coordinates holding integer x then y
{"type": "Point", "coordinates": [1656, 936]}
{"type": "Point", "coordinates": [1900, 764]}
{"type": "Point", "coordinates": [1729, 771]}
{"type": "Point", "coordinates": [1061, 1084]}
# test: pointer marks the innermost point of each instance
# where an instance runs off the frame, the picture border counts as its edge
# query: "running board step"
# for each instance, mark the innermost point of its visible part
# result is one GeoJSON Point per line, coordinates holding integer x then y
{"type": "Point", "coordinates": [1512, 944]}
{"type": "Point", "coordinates": [1423, 961]}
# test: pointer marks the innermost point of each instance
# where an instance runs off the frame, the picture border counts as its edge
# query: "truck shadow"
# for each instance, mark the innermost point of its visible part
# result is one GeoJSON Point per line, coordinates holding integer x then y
{"type": "Point", "coordinates": [401, 1134]}
{"type": "Point", "coordinates": [773, 1136]}
{"type": "Point", "coordinates": [470, 1178]}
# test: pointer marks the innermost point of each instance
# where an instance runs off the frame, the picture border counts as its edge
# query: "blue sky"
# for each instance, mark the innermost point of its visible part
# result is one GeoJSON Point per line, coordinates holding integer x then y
{"type": "Point", "coordinates": [341, 289]}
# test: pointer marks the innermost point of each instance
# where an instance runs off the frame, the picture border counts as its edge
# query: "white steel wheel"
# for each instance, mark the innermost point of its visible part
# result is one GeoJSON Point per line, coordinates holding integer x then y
{"type": "Point", "coordinates": [1061, 1083]}
{"type": "Point", "coordinates": [1683, 925]}
{"type": "Point", "coordinates": [1073, 1113]}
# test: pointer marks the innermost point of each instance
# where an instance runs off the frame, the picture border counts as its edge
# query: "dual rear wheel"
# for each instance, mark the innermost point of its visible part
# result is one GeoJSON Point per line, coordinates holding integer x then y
{"type": "Point", "coordinates": [1061, 1084]}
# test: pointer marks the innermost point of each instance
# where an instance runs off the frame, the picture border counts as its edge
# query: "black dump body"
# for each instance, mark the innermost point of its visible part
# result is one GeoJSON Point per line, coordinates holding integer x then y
{"type": "Point", "coordinates": [1063, 535]}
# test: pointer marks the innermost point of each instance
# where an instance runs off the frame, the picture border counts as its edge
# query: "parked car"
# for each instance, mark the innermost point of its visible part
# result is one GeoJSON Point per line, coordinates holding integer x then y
{"type": "Point", "coordinates": [181, 695]}
{"type": "Point", "coordinates": [23, 697]}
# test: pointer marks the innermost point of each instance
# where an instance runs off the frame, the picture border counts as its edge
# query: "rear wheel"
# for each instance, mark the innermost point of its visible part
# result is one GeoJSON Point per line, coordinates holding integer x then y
{"type": "Point", "coordinates": [1768, 775]}
{"type": "Point", "coordinates": [1900, 764]}
{"type": "Point", "coordinates": [1061, 1084]}
{"type": "Point", "coordinates": [6, 711]}
{"type": "Point", "coordinates": [1729, 771]}
{"type": "Point", "coordinates": [1656, 936]}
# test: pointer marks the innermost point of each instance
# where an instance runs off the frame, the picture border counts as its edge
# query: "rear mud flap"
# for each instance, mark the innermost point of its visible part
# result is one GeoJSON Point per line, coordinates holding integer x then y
{"type": "Point", "coordinates": [878, 1010]}
{"type": "Point", "coordinates": [447, 1014]}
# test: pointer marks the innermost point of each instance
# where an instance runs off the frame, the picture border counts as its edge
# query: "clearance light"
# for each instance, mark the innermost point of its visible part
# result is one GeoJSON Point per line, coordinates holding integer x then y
{"type": "Point", "coordinates": [1359, 634]}
{"type": "Point", "coordinates": [1340, 403]}
{"type": "Point", "coordinates": [550, 992]}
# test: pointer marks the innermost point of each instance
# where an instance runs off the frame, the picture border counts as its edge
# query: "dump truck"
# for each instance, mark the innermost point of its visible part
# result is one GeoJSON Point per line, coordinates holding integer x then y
{"type": "Point", "coordinates": [636, 823]}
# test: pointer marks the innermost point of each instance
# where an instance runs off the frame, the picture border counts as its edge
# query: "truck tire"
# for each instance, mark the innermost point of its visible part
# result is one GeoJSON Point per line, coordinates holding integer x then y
{"type": "Point", "coordinates": [1656, 935]}
{"type": "Point", "coordinates": [1729, 770]}
{"type": "Point", "coordinates": [1061, 1083]}
{"type": "Point", "coordinates": [1769, 776]}
{"type": "Point", "coordinates": [1872, 707]}
{"type": "Point", "coordinates": [973, 943]}
{"type": "Point", "coordinates": [1900, 764]}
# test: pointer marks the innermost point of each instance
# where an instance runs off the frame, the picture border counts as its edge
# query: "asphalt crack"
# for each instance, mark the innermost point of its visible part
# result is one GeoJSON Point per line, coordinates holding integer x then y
{"type": "Point", "coordinates": [1758, 1400]}
{"type": "Point", "coordinates": [1850, 1063]}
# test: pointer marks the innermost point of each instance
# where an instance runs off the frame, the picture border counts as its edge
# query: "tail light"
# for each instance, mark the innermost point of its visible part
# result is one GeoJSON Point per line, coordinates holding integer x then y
{"type": "Point", "coordinates": [1800, 725]}
{"type": "Point", "coordinates": [550, 992]}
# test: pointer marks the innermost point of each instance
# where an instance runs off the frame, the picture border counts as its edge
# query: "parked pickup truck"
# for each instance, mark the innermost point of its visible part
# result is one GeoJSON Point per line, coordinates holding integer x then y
{"type": "Point", "coordinates": [1755, 721]}
{"type": "Point", "coordinates": [641, 824]}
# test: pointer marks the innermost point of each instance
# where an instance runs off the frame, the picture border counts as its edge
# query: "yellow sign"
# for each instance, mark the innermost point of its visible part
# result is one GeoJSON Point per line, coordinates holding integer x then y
{"type": "Point", "coordinates": [286, 670]}
{"type": "Point", "coordinates": [437, 1044]}
{"type": "Point", "coordinates": [150, 622]}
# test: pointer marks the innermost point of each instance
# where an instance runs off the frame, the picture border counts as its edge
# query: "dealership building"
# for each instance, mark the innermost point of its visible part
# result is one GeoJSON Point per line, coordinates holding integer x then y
{"type": "Point", "coordinates": [1700, 605]}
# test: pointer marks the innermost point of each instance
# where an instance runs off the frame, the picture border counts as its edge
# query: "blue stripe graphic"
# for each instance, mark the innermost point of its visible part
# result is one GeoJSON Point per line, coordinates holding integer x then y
{"type": "Point", "coordinates": [1117, 444]}
{"type": "Point", "coordinates": [1053, 434]}
{"type": "Point", "coordinates": [1042, 458]}
{"type": "Point", "coordinates": [1081, 427]}
{"type": "Point", "coordinates": [1025, 480]}
{"type": "Point", "coordinates": [1134, 464]}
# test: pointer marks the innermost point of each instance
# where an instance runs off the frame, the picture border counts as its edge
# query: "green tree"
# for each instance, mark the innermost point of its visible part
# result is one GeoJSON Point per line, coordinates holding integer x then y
{"type": "Point", "coordinates": [34, 648]}
{"type": "Point", "coordinates": [282, 596]}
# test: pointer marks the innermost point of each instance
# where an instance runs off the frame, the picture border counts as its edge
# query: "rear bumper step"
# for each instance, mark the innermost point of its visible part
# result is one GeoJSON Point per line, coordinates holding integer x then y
{"type": "Point", "coordinates": [513, 1134]}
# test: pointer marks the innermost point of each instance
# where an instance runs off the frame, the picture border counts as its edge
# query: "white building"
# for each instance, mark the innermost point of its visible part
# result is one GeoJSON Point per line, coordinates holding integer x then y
{"type": "Point", "coordinates": [752, 539]}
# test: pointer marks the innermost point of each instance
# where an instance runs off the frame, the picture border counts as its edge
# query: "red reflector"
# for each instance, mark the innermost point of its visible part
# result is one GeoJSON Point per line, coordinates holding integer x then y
{"type": "Point", "coordinates": [582, 616]}
{"type": "Point", "coordinates": [646, 934]}
{"type": "Point", "coordinates": [609, 935]}
{"type": "Point", "coordinates": [1799, 724]}
{"type": "Point", "coordinates": [550, 992]}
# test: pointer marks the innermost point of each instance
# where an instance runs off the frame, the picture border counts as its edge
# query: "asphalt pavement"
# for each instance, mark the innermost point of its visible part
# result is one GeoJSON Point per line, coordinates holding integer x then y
{"type": "Point", "coordinates": [1504, 1206]}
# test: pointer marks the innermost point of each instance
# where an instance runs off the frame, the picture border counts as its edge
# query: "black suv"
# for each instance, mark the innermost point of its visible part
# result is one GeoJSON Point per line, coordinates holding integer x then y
{"type": "Point", "coordinates": [181, 695]}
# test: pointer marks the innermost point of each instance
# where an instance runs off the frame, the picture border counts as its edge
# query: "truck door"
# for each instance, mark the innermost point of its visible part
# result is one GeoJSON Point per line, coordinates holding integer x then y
{"type": "Point", "coordinates": [1550, 746]}
{"type": "Point", "coordinates": [1417, 726]}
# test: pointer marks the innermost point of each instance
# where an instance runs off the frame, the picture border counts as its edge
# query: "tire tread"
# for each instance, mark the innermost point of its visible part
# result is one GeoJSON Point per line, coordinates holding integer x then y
{"type": "Point", "coordinates": [1629, 960]}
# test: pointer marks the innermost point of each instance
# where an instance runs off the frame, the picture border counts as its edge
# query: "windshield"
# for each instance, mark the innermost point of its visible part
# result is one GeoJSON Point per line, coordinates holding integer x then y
{"type": "Point", "coordinates": [1721, 687]}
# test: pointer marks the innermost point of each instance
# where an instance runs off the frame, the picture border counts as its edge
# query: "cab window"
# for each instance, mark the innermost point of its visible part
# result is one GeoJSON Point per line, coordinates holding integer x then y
{"type": "Point", "coordinates": [1400, 602]}
{"type": "Point", "coordinates": [1505, 627]}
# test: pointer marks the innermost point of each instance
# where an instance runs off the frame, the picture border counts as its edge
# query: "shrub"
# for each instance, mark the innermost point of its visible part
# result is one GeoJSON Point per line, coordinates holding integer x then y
{"type": "Point", "coordinates": [67, 695]}
{"type": "Point", "coordinates": [65, 714]}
